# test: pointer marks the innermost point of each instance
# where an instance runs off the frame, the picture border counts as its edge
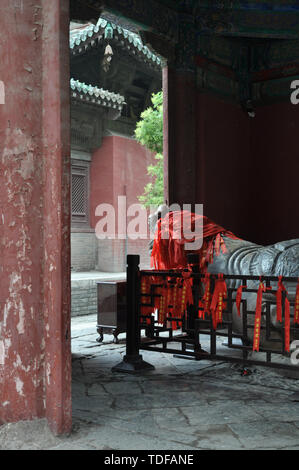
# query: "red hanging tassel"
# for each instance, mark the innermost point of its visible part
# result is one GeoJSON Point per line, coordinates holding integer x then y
{"type": "Point", "coordinates": [258, 317]}
{"type": "Point", "coordinates": [155, 281]}
{"type": "Point", "coordinates": [178, 301]}
{"type": "Point", "coordinates": [287, 315]}
{"type": "Point", "coordinates": [222, 245]}
{"type": "Point", "coordinates": [160, 307]}
{"type": "Point", "coordinates": [169, 296]}
{"type": "Point", "coordinates": [217, 244]}
{"type": "Point", "coordinates": [296, 313]}
{"type": "Point", "coordinates": [210, 251]}
{"type": "Point", "coordinates": [187, 282]}
{"type": "Point", "coordinates": [183, 299]}
{"type": "Point", "coordinates": [201, 313]}
{"type": "Point", "coordinates": [287, 325]}
{"type": "Point", "coordinates": [278, 299]}
{"type": "Point", "coordinates": [167, 299]}
{"type": "Point", "coordinates": [207, 295]}
{"type": "Point", "coordinates": [178, 309]}
{"type": "Point", "coordinates": [217, 304]}
{"type": "Point", "coordinates": [175, 299]}
{"type": "Point", "coordinates": [171, 300]}
{"type": "Point", "coordinates": [162, 304]}
{"type": "Point", "coordinates": [145, 289]}
{"type": "Point", "coordinates": [239, 298]}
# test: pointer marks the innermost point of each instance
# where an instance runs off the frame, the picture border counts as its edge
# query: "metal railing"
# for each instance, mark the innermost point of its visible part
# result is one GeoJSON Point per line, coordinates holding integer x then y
{"type": "Point", "coordinates": [186, 343]}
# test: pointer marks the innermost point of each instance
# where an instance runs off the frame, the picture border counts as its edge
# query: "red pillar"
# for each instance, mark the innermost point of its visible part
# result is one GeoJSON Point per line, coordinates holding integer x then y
{"type": "Point", "coordinates": [179, 90]}
{"type": "Point", "coordinates": [179, 93]}
{"type": "Point", "coordinates": [35, 371]}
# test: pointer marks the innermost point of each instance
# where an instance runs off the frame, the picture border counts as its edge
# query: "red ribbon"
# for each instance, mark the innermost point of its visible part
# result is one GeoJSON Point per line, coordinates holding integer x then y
{"type": "Point", "coordinates": [162, 304]}
{"type": "Point", "coordinates": [206, 300]}
{"type": "Point", "coordinates": [178, 305]}
{"type": "Point", "coordinates": [296, 313]}
{"type": "Point", "coordinates": [287, 325]}
{"type": "Point", "coordinates": [217, 244]}
{"type": "Point", "coordinates": [287, 315]}
{"type": "Point", "coordinates": [278, 299]}
{"type": "Point", "coordinates": [258, 317]}
{"type": "Point", "coordinates": [180, 296]}
{"type": "Point", "coordinates": [187, 282]}
{"type": "Point", "coordinates": [175, 295]}
{"type": "Point", "coordinates": [239, 298]}
{"type": "Point", "coordinates": [145, 289]}
{"type": "Point", "coordinates": [169, 243]}
{"type": "Point", "coordinates": [154, 281]}
{"type": "Point", "coordinates": [222, 245]}
{"type": "Point", "coordinates": [217, 304]}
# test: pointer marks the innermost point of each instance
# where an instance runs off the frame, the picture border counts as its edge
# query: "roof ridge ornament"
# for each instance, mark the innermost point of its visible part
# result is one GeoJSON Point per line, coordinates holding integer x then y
{"type": "Point", "coordinates": [108, 31]}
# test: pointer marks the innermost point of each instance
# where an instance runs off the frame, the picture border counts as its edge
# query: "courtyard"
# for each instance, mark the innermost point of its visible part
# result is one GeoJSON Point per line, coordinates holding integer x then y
{"type": "Point", "coordinates": [183, 405]}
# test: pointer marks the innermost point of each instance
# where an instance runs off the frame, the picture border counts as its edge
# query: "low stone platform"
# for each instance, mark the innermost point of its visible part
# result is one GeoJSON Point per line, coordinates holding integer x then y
{"type": "Point", "coordinates": [181, 405]}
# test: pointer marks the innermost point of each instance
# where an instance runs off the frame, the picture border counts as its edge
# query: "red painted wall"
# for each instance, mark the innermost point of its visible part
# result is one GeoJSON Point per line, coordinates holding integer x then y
{"type": "Point", "coordinates": [223, 156]}
{"type": "Point", "coordinates": [101, 177]}
{"type": "Point", "coordinates": [118, 168]}
{"type": "Point", "coordinates": [275, 164]}
{"type": "Point", "coordinates": [247, 169]}
{"type": "Point", "coordinates": [130, 168]}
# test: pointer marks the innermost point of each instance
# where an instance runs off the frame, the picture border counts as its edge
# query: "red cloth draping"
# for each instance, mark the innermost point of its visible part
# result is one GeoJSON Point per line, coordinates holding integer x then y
{"type": "Point", "coordinates": [168, 248]}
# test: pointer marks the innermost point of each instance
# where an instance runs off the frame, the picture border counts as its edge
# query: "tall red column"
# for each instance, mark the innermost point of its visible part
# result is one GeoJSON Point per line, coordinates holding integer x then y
{"type": "Point", "coordinates": [35, 358]}
{"type": "Point", "coordinates": [179, 92]}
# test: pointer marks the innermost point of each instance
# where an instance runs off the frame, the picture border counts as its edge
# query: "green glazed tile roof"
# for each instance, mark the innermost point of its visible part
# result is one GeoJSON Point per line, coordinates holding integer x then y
{"type": "Point", "coordinates": [95, 95]}
{"type": "Point", "coordinates": [81, 39]}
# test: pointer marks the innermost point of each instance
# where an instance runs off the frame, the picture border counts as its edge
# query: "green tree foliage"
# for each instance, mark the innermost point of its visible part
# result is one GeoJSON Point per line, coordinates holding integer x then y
{"type": "Point", "coordinates": [149, 132]}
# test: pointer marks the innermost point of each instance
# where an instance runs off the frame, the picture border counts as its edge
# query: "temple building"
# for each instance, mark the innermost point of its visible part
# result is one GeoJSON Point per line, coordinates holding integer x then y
{"type": "Point", "coordinates": [229, 69]}
{"type": "Point", "coordinates": [113, 78]}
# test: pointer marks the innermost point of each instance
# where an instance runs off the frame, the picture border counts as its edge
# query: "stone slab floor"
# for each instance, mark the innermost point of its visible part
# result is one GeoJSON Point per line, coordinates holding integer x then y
{"type": "Point", "coordinates": [182, 405]}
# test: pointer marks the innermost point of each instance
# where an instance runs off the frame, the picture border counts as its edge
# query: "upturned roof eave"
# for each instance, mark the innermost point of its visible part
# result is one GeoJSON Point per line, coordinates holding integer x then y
{"type": "Point", "coordinates": [83, 38]}
{"type": "Point", "coordinates": [94, 95]}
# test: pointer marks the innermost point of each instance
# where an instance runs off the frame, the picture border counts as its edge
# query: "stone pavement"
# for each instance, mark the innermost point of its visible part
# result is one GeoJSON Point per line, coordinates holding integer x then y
{"type": "Point", "coordinates": [182, 405]}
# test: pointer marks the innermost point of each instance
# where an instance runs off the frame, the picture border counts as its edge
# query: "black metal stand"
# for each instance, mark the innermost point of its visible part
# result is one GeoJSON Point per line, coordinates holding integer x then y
{"type": "Point", "coordinates": [132, 361]}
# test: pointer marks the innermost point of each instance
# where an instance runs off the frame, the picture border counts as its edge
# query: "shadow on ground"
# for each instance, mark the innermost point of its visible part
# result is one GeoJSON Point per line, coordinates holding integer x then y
{"type": "Point", "coordinates": [181, 405]}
